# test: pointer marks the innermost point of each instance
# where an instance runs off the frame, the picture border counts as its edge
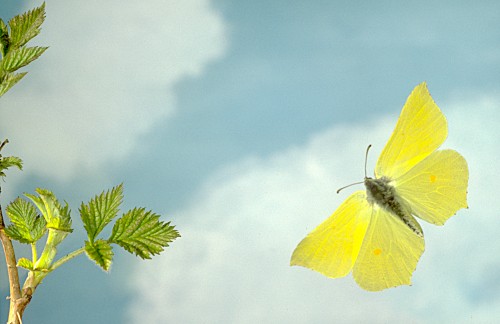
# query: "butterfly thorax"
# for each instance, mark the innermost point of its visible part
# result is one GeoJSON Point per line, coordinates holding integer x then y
{"type": "Point", "coordinates": [383, 194]}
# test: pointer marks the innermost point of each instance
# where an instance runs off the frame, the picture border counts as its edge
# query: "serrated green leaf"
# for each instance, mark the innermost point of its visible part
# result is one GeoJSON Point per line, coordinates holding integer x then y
{"type": "Point", "coordinates": [26, 26]}
{"type": "Point", "coordinates": [20, 57]}
{"type": "Point", "coordinates": [4, 38]}
{"type": "Point", "coordinates": [9, 161]}
{"type": "Point", "coordinates": [100, 252]}
{"type": "Point", "coordinates": [142, 233]}
{"type": "Point", "coordinates": [56, 216]}
{"type": "Point", "coordinates": [9, 80]}
{"type": "Point", "coordinates": [27, 226]}
{"type": "Point", "coordinates": [14, 233]}
{"type": "Point", "coordinates": [25, 263]}
{"type": "Point", "coordinates": [100, 211]}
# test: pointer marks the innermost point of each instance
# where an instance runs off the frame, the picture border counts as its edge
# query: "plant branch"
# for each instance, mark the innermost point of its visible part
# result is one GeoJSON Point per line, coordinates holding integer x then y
{"type": "Point", "coordinates": [10, 260]}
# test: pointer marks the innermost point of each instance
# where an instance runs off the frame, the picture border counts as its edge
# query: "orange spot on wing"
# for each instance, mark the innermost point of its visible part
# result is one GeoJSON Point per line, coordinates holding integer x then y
{"type": "Point", "coordinates": [432, 178]}
{"type": "Point", "coordinates": [377, 251]}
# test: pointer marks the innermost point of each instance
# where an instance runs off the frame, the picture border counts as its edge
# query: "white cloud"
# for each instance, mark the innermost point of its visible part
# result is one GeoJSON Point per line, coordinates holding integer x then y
{"type": "Point", "coordinates": [231, 264]}
{"type": "Point", "coordinates": [107, 77]}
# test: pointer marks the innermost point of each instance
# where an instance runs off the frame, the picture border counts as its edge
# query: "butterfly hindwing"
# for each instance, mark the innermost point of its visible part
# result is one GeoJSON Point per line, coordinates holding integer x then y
{"type": "Point", "coordinates": [333, 246]}
{"type": "Point", "coordinates": [420, 130]}
{"type": "Point", "coordinates": [389, 253]}
{"type": "Point", "coordinates": [436, 188]}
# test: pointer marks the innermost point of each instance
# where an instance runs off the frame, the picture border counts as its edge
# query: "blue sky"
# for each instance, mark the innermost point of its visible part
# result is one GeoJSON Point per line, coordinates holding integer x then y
{"type": "Point", "coordinates": [238, 121]}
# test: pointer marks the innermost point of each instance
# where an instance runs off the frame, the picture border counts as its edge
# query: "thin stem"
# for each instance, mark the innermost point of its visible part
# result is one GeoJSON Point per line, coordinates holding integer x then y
{"type": "Point", "coordinates": [66, 258]}
{"type": "Point", "coordinates": [35, 277]}
{"type": "Point", "coordinates": [34, 254]}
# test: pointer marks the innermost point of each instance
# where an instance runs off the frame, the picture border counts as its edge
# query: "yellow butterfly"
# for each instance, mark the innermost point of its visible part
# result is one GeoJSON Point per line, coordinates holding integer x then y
{"type": "Point", "coordinates": [373, 233]}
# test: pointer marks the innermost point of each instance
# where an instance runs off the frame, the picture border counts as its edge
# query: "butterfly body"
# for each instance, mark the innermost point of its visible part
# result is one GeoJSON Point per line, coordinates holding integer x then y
{"type": "Point", "coordinates": [374, 233]}
{"type": "Point", "coordinates": [381, 192]}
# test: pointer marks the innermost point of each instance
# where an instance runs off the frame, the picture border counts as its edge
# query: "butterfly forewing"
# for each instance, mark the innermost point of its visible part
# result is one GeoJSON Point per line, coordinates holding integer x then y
{"type": "Point", "coordinates": [332, 248]}
{"type": "Point", "coordinates": [420, 130]}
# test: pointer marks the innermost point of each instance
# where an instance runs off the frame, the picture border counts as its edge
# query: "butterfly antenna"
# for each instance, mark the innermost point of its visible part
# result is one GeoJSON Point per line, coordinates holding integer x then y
{"type": "Point", "coordinates": [366, 157]}
{"type": "Point", "coordinates": [352, 184]}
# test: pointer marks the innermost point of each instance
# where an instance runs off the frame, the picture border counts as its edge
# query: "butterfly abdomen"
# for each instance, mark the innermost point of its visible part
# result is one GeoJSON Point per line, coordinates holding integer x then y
{"type": "Point", "coordinates": [382, 193]}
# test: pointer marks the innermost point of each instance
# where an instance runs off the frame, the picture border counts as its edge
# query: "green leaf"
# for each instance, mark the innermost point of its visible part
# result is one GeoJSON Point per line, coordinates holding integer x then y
{"type": "Point", "coordinates": [58, 224]}
{"type": "Point", "coordinates": [27, 226]}
{"type": "Point", "coordinates": [9, 80]}
{"type": "Point", "coordinates": [101, 210]}
{"type": "Point", "coordinates": [9, 161]}
{"type": "Point", "coordinates": [26, 26]}
{"type": "Point", "coordinates": [100, 252]}
{"type": "Point", "coordinates": [57, 217]}
{"type": "Point", "coordinates": [25, 263]}
{"type": "Point", "coordinates": [14, 55]}
{"type": "Point", "coordinates": [4, 38]}
{"type": "Point", "coordinates": [142, 233]}
{"type": "Point", "coordinates": [20, 57]}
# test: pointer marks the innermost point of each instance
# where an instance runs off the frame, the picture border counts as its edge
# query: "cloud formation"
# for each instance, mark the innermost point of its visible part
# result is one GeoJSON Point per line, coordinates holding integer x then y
{"type": "Point", "coordinates": [107, 78]}
{"type": "Point", "coordinates": [231, 264]}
